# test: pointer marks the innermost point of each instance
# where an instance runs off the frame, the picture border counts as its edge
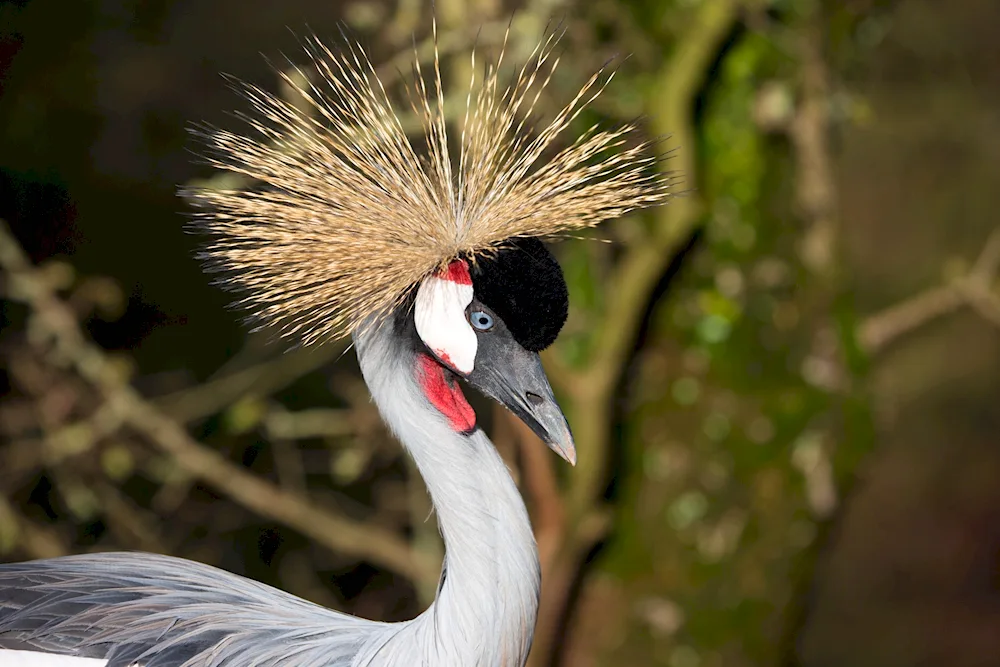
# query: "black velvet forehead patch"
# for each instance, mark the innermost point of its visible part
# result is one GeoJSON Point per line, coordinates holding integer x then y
{"type": "Point", "coordinates": [524, 285]}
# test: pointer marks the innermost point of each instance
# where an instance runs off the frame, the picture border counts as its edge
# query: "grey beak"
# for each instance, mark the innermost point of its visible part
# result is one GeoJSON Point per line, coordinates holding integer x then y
{"type": "Point", "coordinates": [522, 386]}
{"type": "Point", "coordinates": [548, 422]}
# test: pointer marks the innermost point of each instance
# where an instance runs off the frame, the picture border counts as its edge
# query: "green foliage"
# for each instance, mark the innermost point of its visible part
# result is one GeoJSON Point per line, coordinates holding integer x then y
{"type": "Point", "coordinates": [732, 444]}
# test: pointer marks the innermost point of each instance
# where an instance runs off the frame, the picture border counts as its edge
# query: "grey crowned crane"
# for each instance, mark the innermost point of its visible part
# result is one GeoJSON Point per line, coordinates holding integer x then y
{"type": "Point", "coordinates": [436, 270]}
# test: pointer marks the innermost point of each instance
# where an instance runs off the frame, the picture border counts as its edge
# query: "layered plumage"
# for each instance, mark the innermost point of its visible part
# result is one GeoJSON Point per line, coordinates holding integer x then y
{"type": "Point", "coordinates": [353, 215]}
{"type": "Point", "coordinates": [154, 610]}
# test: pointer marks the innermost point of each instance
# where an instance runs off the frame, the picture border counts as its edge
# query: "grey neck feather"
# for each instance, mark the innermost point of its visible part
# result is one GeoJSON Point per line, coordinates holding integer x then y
{"type": "Point", "coordinates": [484, 615]}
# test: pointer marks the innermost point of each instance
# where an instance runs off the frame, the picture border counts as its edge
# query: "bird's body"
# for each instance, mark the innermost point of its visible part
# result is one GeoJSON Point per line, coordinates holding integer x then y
{"type": "Point", "coordinates": [437, 277]}
{"type": "Point", "coordinates": [162, 612]}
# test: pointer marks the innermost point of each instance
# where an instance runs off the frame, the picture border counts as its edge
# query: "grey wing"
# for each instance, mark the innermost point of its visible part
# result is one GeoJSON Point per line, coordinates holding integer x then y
{"type": "Point", "coordinates": [160, 611]}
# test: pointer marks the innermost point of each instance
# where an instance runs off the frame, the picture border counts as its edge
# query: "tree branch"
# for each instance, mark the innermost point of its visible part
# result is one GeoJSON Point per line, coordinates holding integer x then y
{"type": "Point", "coordinates": [188, 405]}
{"type": "Point", "coordinates": [631, 285]}
{"type": "Point", "coordinates": [638, 271]}
{"type": "Point", "coordinates": [975, 290]}
{"type": "Point", "coordinates": [59, 338]}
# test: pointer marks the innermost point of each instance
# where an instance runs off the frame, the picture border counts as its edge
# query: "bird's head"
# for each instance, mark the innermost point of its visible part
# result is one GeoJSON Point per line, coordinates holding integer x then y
{"type": "Point", "coordinates": [486, 322]}
{"type": "Point", "coordinates": [355, 219]}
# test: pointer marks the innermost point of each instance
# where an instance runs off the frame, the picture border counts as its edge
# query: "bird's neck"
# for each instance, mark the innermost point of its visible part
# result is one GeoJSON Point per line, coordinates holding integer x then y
{"type": "Point", "coordinates": [484, 614]}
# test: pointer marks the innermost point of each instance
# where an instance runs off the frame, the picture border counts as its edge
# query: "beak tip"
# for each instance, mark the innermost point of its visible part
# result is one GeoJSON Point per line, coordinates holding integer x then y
{"type": "Point", "coordinates": [567, 452]}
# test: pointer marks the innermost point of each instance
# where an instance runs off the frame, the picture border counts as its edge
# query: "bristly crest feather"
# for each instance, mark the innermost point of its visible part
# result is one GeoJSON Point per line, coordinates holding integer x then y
{"type": "Point", "coordinates": [350, 217]}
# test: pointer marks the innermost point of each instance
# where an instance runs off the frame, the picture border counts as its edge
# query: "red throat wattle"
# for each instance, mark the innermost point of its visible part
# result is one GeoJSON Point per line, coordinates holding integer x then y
{"type": "Point", "coordinates": [444, 394]}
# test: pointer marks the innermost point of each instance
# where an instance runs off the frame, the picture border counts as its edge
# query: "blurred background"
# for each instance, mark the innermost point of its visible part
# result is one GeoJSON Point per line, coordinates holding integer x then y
{"type": "Point", "coordinates": [785, 385]}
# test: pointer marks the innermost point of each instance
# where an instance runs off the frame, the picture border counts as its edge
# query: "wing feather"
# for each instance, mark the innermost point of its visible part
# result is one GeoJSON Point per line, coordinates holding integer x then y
{"type": "Point", "coordinates": [161, 611]}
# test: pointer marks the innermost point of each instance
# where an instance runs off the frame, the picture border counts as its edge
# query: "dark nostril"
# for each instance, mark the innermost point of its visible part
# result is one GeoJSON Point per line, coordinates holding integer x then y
{"type": "Point", "coordinates": [534, 399]}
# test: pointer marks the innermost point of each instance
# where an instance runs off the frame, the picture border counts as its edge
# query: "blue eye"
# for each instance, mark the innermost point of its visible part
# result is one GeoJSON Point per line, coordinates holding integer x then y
{"type": "Point", "coordinates": [481, 320]}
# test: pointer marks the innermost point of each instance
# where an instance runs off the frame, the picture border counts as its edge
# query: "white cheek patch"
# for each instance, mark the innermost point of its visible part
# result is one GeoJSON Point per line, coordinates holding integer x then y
{"type": "Point", "coordinates": [439, 313]}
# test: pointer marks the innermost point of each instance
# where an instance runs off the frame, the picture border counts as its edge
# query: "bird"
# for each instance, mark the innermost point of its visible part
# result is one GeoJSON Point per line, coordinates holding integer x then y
{"type": "Point", "coordinates": [430, 254]}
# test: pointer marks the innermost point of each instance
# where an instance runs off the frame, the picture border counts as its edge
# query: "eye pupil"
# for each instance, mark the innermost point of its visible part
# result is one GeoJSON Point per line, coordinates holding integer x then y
{"type": "Point", "coordinates": [482, 321]}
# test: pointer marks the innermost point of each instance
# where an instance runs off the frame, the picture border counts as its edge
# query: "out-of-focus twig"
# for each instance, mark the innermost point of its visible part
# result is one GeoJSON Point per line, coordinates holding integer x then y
{"type": "Point", "coordinates": [809, 130]}
{"type": "Point", "coordinates": [976, 290]}
{"type": "Point", "coordinates": [58, 336]}
{"type": "Point", "coordinates": [315, 423]}
{"type": "Point", "coordinates": [262, 379]}
{"type": "Point", "coordinates": [134, 525]}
